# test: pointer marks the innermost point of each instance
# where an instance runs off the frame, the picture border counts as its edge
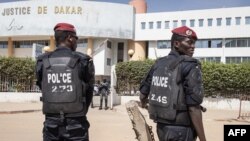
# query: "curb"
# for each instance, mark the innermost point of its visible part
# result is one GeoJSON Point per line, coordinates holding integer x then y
{"type": "Point", "coordinates": [20, 111]}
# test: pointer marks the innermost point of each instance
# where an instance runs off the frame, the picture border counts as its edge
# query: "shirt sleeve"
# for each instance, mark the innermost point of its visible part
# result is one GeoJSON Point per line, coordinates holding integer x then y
{"type": "Point", "coordinates": [193, 86]}
{"type": "Point", "coordinates": [146, 82]}
{"type": "Point", "coordinates": [89, 79]}
{"type": "Point", "coordinates": [39, 72]}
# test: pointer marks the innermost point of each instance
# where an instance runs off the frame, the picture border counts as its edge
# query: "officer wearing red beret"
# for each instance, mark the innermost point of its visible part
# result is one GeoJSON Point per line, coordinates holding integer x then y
{"type": "Point", "coordinates": [66, 79]}
{"type": "Point", "coordinates": [174, 90]}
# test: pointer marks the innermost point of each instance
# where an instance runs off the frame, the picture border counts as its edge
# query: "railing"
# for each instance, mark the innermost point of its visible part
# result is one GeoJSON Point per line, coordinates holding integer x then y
{"type": "Point", "coordinates": [244, 112]}
{"type": "Point", "coordinates": [12, 85]}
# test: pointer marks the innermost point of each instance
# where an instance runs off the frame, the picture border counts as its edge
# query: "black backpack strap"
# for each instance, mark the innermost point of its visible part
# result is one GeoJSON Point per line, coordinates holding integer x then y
{"type": "Point", "coordinates": [73, 60]}
{"type": "Point", "coordinates": [46, 62]}
{"type": "Point", "coordinates": [174, 64]}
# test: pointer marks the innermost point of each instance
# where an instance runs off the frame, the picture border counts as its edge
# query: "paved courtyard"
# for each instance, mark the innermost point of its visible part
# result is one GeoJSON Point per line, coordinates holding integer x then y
{"type": "Point", "coordinates": [109, 125]}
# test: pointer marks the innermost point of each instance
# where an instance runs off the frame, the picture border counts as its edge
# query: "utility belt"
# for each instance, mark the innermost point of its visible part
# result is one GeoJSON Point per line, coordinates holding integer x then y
{"type": "Point", "coordinates": [61, 117]}
{"type": "Point", "coordinates": [182, 119]}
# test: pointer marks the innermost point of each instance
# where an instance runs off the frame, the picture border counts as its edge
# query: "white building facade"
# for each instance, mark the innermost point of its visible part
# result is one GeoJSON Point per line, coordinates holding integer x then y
{"type": "Point", "coordinates": [223, 33]}
{"type": "Point", "coordinates": [102, 28]}
{"type": "Point", "coordinates": [107, 31]}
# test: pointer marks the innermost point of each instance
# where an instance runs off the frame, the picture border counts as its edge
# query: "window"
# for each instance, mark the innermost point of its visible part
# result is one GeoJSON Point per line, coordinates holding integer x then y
{"type": "Point", "coordinates": [245, 59]}
{"type": "Point", "coordinates": [238, 42]}
{"type": "Point", "coordinates": [209, 43]}
{"type": "Point", "coordinates": [175, 24]}
{"type": "Point", "coordinates": [120, 52]}
{"type": "Point", "coordinates": [82, 43]}
{"type": "Point", "coordinates": [166, 24]}
{"type": "Point", "coordinates": [213, 59]}
{"type": "Point", "coordinates": [108, 62]}
{"type": "Point", "coordinates": [143, 25]}
{"type": "Point", "coordinates": [228, 21]}
{"type": "Point", "coordinates": [26, 44]}
{"type": "Point", "coordinates": [235, 60]}
{"type": "Point", "coordinates": [216, 43]}
{"type": "Point", "coordinates": [241, 43]}
{"type": "Point", "coordinates": [151, 25]}
{"type": "Point", "coordinates": [209, 59]}
{"type": "Point", "coordinates": [201, 22]}
{"type": "Point", "coordinates": [237, 20]}
{"type": "Point", "coordinates": [183, 22]}
{"type": "Point", "coordinates": [164, 44]}
{"type": "Point", "coordinates": [247, 20]}
{"type": "Point", "coordinates": [3, 44]}
{"type": "Point", "coordinates": [219, 21]}
{"type": "Point", "coordinates": [201, 44]}
{"type": "Point", "coordinates": [158, 24]}
{"type": "Point", "coordinates": [29, 44]}
{"type": "Point", "coordinates": [209, 22]}
{"type": "Point", "coordinates": [109, 44]}
{"type": "Point", "coordinates": [230, 43]}
{"type": "Point", "coordinates": [191, 23]}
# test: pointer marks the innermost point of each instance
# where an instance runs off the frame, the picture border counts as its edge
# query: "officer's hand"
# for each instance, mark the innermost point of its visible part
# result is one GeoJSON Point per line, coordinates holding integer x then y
{"type": "Point", "coordinates": [144, 101]}
{"type": "Point", "coordinates": [144, 105]}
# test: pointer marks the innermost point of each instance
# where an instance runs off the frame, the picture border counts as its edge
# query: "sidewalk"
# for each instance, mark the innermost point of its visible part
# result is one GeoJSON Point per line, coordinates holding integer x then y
{"type": "Point", "coordinates": [109, 125]}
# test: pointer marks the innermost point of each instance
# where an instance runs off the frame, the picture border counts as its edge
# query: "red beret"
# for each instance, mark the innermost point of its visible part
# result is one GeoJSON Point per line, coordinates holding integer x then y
{"type": "Point", "coordinates": [185, 31]}
{"type": "Point", "coordinates": [65, 27]}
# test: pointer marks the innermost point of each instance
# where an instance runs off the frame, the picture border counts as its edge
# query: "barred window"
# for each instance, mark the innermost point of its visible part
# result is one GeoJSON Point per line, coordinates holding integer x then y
{"type": "Point", "coordinates": [3, 44]}
{"type": "Point", "coordinates": [164, 44]}
{"type": "Point", "coordinates": [143, 25]}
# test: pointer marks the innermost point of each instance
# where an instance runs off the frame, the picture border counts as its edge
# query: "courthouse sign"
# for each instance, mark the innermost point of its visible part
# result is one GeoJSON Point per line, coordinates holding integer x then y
{"type": "Point", "coordinates": [37, 18]}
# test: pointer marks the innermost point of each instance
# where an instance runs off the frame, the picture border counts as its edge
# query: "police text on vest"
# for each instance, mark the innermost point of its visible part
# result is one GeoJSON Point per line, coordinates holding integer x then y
{"type": "Point", "coordinates": [160, 81]}
{"type": "Point", "coordinates": [59, 78]}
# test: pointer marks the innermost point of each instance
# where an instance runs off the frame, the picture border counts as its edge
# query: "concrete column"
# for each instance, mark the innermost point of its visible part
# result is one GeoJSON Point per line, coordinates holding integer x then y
{"type": "Point", "coordinates": [90, 47]}
{"type": "Point", "coordinates": [139, 48]}
{"type": "Point", "coordinates": [223, 58]}
{"type": "Point", "coordinates": [10, 47]}
{"type": "Point", "coordinates": [52, 43]}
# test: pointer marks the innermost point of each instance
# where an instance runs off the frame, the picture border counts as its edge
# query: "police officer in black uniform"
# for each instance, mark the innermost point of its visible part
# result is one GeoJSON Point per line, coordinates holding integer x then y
{"type": "Point", "coordinates": [173, 87]}
{"type": "Point", "coordinates": [104, 91]}
{"type": "Point", "coordinates": [66, 79]}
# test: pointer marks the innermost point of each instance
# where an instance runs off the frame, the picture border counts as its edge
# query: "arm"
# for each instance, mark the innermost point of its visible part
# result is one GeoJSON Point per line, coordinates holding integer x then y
{"type": "Point", "coordinates": [193, 88]}
{"type": "Point", "coordinates": [89, 79]}
{"type": "Point", "coordinates": [145, 87]}
{"type": "Point", "coordinates": [39, 72]}
{"type": "Point", "coordinates": [196, 117]}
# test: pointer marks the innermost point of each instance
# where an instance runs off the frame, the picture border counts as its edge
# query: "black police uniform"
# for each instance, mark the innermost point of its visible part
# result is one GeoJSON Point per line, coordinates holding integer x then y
{"type": "Point", "coordinates": [171, 112]}
{"type": "Point", "coordinates": [68, 126]}
{"type": "Point", "coordinates": [103, 91]}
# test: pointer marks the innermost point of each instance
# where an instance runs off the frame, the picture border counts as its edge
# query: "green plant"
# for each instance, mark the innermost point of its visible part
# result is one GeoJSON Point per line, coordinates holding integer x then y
{"type": "Point", "coordinates": [218, 78]}
{"type": "Point", "coordinates": [19, 70]}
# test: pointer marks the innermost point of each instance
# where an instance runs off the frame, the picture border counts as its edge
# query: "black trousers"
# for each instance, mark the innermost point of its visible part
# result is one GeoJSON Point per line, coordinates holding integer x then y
{"type": "Point", "coordinates": [67, 129]}
{"type": "Point", "coordinates": [104, 94]}
{"type": "Point", "coordinates": [167, 132]}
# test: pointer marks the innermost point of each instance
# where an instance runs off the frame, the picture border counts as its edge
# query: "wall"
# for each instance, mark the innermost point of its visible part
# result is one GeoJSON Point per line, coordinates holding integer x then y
{"type": "Point", "coordinates": [23, 52]}
{"type": "Point", "coordinates": [202, 32]}
{"type": "Point", "coordinates": [91, 19]}
{"type": "Point", "coordinates": [4, 52]}
{"type": "Point", "coordinates": [99, 55]}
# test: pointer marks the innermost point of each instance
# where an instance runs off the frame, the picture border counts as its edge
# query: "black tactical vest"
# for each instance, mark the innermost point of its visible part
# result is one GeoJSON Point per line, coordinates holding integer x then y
{"type": "Point", "coordinates": [62, 89]}
{"type": "Point", "coordinates": [166, 97]}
